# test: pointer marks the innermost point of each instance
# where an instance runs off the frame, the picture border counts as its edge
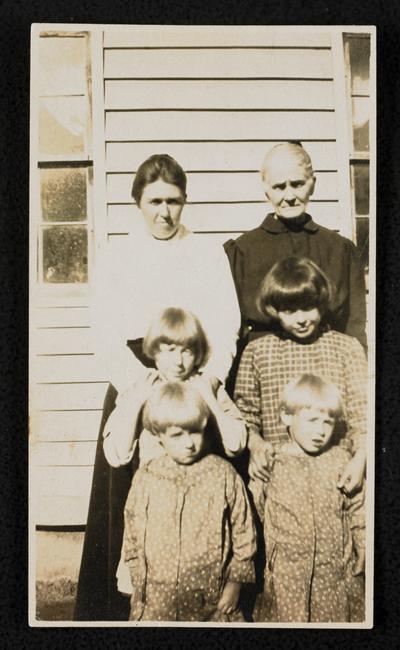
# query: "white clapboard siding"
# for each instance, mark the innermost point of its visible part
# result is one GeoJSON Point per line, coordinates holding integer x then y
{"type": "Point", "coordinates": [220, 217]}
{"type": "Point", "coordinates": [50, 317]}
{"type": "Point", "coordinates": [219, 125]}
{"type": "Point", "coordinates": [65, 426]}
{"type": "Point", "coordinates": [70, 397]}
{"type": "Point", "coordinates": [60, 495]}
{"type": "Point", "coordinates": [216, 94]}
{"type": "Point", "coordinates": [220, 187]}
{"type": "Point", "coordinates": [63, 454]}
{"type": "Point", "coordinates": [217, 63]}
{"type": "Point", "coordinates": [64, 340]}
{"type": "Point", "coordinates": [68, 368]}
{"type": "Point", "coordinates": [211, 156]}
{"type": "Point", "coordinates": [158, 36]}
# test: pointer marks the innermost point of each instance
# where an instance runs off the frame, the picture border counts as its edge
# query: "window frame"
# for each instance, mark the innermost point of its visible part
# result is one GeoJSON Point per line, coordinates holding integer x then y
{"type": "Point", "coordinates": [39, 161]}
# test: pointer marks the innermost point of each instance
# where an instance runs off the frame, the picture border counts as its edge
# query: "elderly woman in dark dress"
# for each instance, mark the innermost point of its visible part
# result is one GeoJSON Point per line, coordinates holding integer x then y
{"type": "Point", "coordinates": [289, 182]}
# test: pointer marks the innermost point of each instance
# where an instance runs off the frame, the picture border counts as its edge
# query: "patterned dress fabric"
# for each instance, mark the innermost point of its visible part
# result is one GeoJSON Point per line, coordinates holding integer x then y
{"type": "Point", "coordinates": [188, 529]}
{"type": "Point", "coordinates": [311, 533]}
{"type": "Point", "coordinates": [270, 362]}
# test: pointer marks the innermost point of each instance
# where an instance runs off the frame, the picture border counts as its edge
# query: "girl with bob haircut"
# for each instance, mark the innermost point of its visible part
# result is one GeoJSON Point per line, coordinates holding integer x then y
{"type": "Point", "coordinates": [213, 546]}
{"type": "Point", "coordinates": [293, 283]}
{"type": "Point", "coordinates": [177, 326]}
{"type": "Point", "coordinates": [314, 533]}
{"type": "Point", "coordinates": [178, 345]}
{"type": "Point", "coordinates": [296, 294]}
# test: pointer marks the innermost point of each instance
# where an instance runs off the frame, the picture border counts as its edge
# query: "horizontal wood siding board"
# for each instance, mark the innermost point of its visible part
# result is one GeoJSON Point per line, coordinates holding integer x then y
{"type": "Point", "coordinates": [63, 481]}
{"type": "Point", "coordinates": [61, 317]}
{"type": "Point", "coordinates": [217, 63]}
{"type": "Point", "coordinates": [61, 511]}
{"type": "Point", "coordinates": [65, 426]}
{"type": "Point", "coordinates": [68, 340]}
{"type": "Point", "coordinates": [270, 94]}
{"type": "Point", "coordinates": [240, 216]}
{"type": "Point", "coordinates": [213, 125]}
{"type": "Point", "coordinates": [72, 453]}
{"type": "Point", "coordinates": [69, 397]}
{"type": "Point", "coordinates": [68, 368]}
{"type": "Point", "coordinates": [210, 156]}
{"type": "Point", "coordinates": [241, 186]}
{"type": "Point", "coordinates": [217, 36]}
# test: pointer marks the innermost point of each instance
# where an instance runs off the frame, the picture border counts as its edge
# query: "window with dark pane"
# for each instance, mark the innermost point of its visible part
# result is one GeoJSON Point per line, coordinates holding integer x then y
{"type": "Point", "coordinates": [63, 194]}
{"type": "Point", "coordinates": [65, 254]}
{"type": "Point", "coordinates": [357, 56]}
{"type": "Point", "coordinates": [64, 158]}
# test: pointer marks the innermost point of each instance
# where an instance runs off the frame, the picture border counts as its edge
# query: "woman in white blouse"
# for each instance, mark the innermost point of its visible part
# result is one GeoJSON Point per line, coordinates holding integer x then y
{"type": "Point", "coordinates": [162, 264]}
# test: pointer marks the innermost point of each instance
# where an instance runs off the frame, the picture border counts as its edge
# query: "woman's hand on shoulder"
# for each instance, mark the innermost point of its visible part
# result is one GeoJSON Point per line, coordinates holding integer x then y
{"type": "Point", "coordinates": [206, 385]}
{"type": "Point", "coordinates": [262, 457]}
{"type": "Point", "coordinates": [140, 391]}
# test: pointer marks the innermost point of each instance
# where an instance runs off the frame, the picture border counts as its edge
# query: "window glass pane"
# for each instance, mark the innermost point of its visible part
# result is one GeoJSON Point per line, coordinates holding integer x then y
{"type": "Point", "coordinates": [63, 194]}
{"type": "Point", "coordinates": [360, 109]}
{"type": "Point", "coordinates": [62, 65]}
{"type": "Point", "coordinates": [362, 234]}
{"type": "Point", "coordinates": [65, 254]}
{"type": "Point", "coordinates": [360, 177]}
{"type": "Point", "coordinates": [62, 125]}
{"type": "Point", "coordinates": [359, 52]}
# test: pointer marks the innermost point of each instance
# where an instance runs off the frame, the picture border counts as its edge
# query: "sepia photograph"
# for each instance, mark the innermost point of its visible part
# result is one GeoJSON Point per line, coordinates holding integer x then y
{"type": "Point", "coordinates": [202, 325]}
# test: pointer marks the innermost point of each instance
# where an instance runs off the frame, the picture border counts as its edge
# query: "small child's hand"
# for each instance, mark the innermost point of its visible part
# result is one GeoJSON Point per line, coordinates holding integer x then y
{"type": "Point", "coordinates": [352, 476]}
{"type": "Point", "coordinates": [359, 563]}
{"type": "Point", "coordinates": [229, 597]}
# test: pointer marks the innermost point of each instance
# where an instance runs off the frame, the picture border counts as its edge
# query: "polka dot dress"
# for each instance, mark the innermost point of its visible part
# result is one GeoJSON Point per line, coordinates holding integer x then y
{"type": "Point", "coordinates": [310, 532]}
{"type": "Point", "coordinates": [187, 530]}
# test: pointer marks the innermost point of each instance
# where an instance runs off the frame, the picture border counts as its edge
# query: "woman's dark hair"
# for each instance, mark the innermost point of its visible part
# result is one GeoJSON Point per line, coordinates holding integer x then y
{"type": "Point", "coordinates": [158, 166]}
{"type": "Point", "coordinates": [294, 283]}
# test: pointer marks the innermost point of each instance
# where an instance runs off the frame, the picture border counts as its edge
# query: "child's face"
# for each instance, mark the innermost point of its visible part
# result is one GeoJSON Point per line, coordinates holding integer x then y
{"type": "Point", "coordinates": [300, 323]}
{"type": "Point", "coordinates": [183, 446]}
{"type": "Point", "coordinates": [175, 362]}
{"type": "Point", "coordinates": [310, 428]}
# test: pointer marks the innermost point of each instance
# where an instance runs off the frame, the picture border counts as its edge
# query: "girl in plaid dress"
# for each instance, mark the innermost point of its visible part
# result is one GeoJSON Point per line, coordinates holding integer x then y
{"type": "Point", "coordinates": [297, 295]}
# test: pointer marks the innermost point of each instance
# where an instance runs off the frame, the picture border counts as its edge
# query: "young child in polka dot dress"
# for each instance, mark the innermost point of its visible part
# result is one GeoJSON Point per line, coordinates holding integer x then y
{"type": "Point", "coordinates": [189, 538]}
{"type": "Point", "coordinates": [314, 533]}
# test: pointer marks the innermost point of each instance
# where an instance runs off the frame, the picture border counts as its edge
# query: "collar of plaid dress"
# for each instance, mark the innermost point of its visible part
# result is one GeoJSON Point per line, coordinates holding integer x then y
{"type": "Point", "coordinates": [277, 225]}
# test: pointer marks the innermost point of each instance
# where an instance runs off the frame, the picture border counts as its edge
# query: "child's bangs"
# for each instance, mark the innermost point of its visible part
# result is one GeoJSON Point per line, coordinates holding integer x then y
{"type": "Point", "coordinates": [175, 413]}
{"type": "Point", "coordinates": [323, 397]}
{"type": "Point", "coordinates": [295, 297]}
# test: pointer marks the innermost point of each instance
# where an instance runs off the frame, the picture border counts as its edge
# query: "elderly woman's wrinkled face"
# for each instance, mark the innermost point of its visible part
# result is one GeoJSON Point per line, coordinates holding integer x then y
{"type": "Point", "coordinates": [288, 185]}
{"type": "Point", "coordinates": [161, 204]}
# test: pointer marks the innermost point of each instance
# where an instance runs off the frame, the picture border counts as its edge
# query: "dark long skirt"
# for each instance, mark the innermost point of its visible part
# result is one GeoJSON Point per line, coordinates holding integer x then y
{"type": "Point", "coordinates": [97, 597]}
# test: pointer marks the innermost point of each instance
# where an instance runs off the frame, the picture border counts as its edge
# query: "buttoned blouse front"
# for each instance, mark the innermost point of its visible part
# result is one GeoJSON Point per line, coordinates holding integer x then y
{"type": "Point", "coordinates": [188, 529]}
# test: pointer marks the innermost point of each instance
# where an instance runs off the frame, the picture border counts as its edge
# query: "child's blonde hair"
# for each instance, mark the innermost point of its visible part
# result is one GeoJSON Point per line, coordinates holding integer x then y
{"type": "Point", "coordinates": [180, 327]}
{"type": "Point", "coordinates": [175, 404]}
{"type": "Point", "coordinates": [310, 391]}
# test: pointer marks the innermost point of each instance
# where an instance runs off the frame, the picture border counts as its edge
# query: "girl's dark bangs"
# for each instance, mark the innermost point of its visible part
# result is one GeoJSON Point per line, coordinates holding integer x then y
{"type": "Point", "coordinates": [295, 298]}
